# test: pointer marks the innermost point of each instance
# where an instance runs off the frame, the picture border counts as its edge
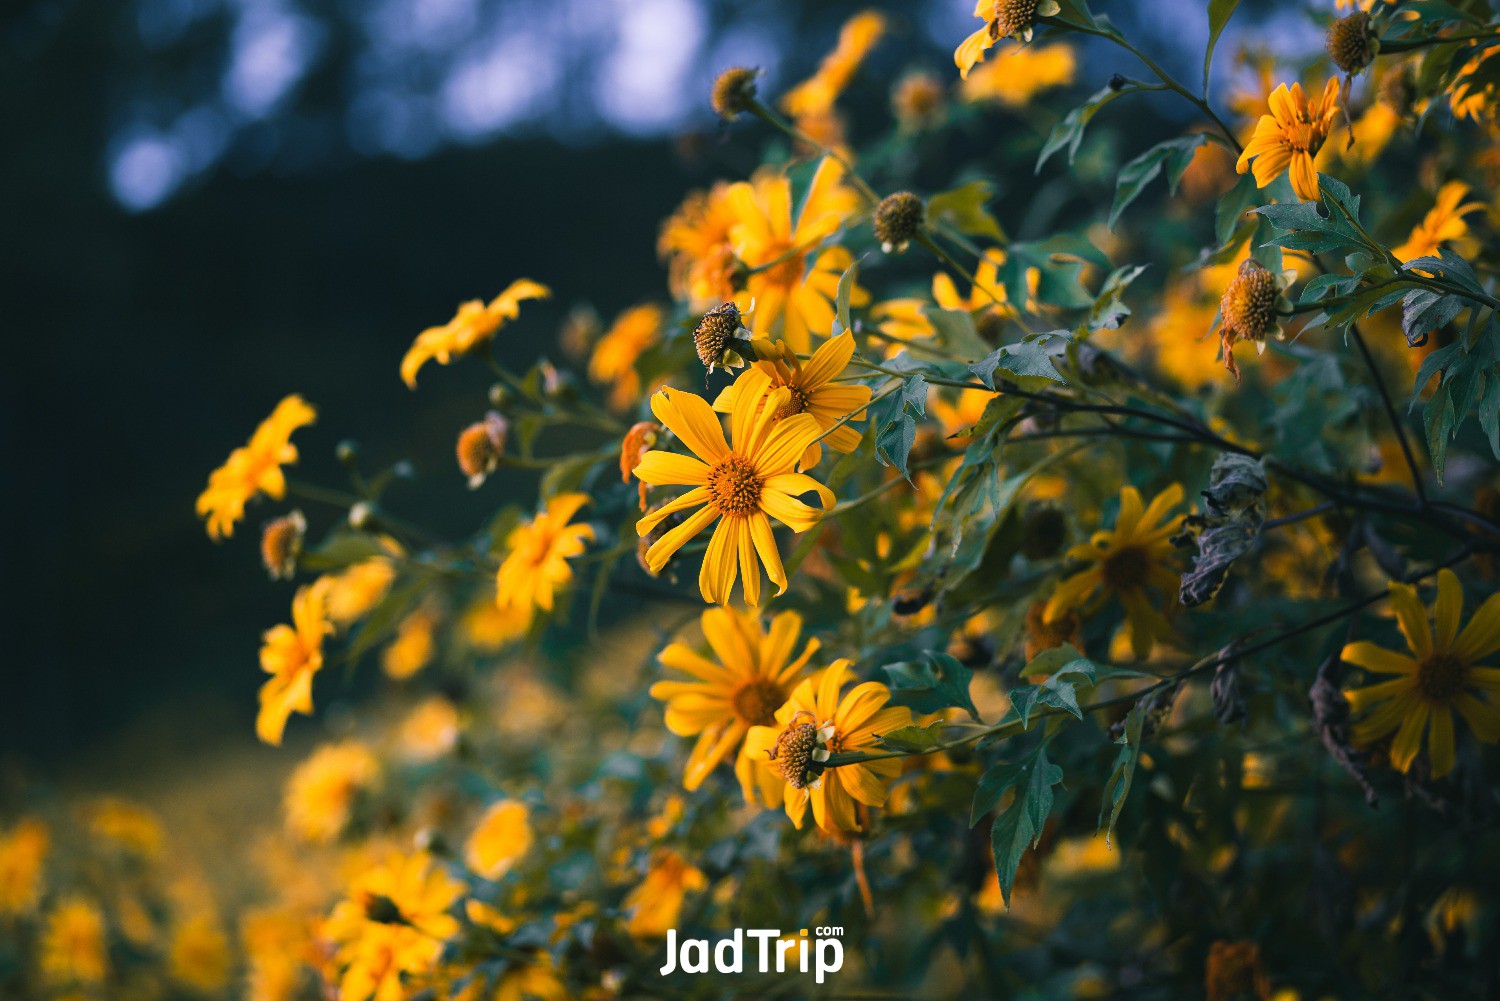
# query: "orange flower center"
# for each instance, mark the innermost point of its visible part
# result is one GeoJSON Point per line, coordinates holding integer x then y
{"type": "Point", "coordinates": [734, 486]}
{"type": "Point", "coordinates": [1304, 137]}
{"type": "Point", "coordinates": [795, 404]}
{"type": "Point", "coordinates": [1126, 568]}
{"type": "Point", "coordinates": [787, 271]}
{"type": "Point", "coordinates": [1441, 677]}
{"type": "Point", "coordinates": [756, 701]}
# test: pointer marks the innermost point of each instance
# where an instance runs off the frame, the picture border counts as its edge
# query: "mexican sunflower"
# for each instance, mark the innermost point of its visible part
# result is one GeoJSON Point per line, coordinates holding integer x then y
{"type": "Point", "coordinates": [791, 298]}
{"type": "Point", "coordinates": [613, 362]}
{"type": "Point", "coordinates": [1002, 19]}
{"type": "Point", "coordinates": [1125, 562]}
{"type": "Point", "coordinates": [1442, 674]}
{"type": "Point", "coordinates": [752, 673]}
{"type": "Point", "coordinates": [254, 468]}
{"type": "Point", "coordinates": [1291, 136]}
{"type": "Point", "coordinates": [1444, 222]}
{"type": "Point", "coordinates": [291, 655]}
{"type": "Point", "coordinates": [816, 724]}
{"type": "Point", "coordinates": [474, 324]}
{"type": "Point", "coordinates": [813, 392]}
{"type": "Point", "coordinates": [536, 562]}
{"type": "Point", "coordinates": [737, 486]}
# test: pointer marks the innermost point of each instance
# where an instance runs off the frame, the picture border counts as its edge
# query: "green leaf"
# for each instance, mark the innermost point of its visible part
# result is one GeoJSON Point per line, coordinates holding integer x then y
{"type": "Point", "coordinates": [1219, 13]}
{"type": "Point", "coordinates": [992, 786]}
{"type": "Point", "coordinates": [1118, 786]}
{"type": "Point", "coordinates": [955, 331]}
{"type": "Point", "coordinates": [1027, 358]}
{"type": "Point", "coordinates": [1063, 659]}
{"type": "Point", "coordinates": [963, 207]}
{"type": "Point", "coordinates": [1020, 826]}
{"type": "Point", "coordinates": [1439, 420]}
{"type": "Point", "coordinates": [913, 739]}
{"type": "Point", "coordinates": [1109, 308]}
{"type": "Point", "coordinates": [936, 681]}
{"type": "Point", "coordinates": [1174, 155]}
{"type": "Point", "coordinates": [1069, 132]}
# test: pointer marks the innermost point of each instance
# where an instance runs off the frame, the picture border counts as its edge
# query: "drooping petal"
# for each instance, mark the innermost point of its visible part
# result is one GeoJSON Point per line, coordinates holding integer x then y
{"type": "Point", "coordinates": [716, 576]}
{"type": "Point", "coordinates": [1481, 637]}
{"type": "Point", "coordinates": [1409, 738]}
{"type": "Point", "coordinates": [1446, 610]}
{"type": "Point", "coordinates": [765, 544]}
{"type": "Point", "coordinates": [662, 549]}
{"type": "Point", "coordinates": [693, 421]}
{"type": "Point", "coordinates": [1412, 618]}
{"type": "Point", "coordinates": [797, 484]}
{"type": "Point", "coordinates": [669, 469]}
{"type": "Point", "coordinates": [1376, 658]}
{"type": "Point", "coordinates": [1440, 741]}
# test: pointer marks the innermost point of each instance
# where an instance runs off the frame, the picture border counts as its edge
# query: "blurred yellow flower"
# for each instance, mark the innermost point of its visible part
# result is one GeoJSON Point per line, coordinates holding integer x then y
{"type": "Point", "coordinates": [901, 320]}
{"type": "Point", "coordinates": [1473, 91]}
{"type": "Point", "coordinates": [23, 850]}
{"type": "Point", "coordinates": [291, 655]}
{"type": "Point", "coordinates": [1290, 136]}
{"type": "Point", "coordinates": [536, 980]}
{"type": "Point", "coordinates": [499, 840]}
{"type": "Point", "coordinates": [655, 905]}
{"type": "Point", "coordinates": [817, 94]}
{"type": "Point", "coordinates": [431, 730]}
{"type": "Point", "coordinates": [254, 468]}
{"type": "Point", "coordinates": [127, 826]}
{"type": "Point", "coordinates": [812, 391]}
{"type": "Point", "coordinates": [413, 646]}
{"type": "Point", "coordinates": [74, 950]}
{"type": "Point", "coordinates": [987, 295]}
{"type": "Point", "coordinates": [1124, 562]}
{"type": "Point", "coordinates": [390, 932]}
{"type": "Point", "coordinates": [790, 299]}
{"type": "Point", "coordinates": [320, 793]}
{"type": "Point", "coordinates": [919, 101]}
{"type": "Point", "coordinates": [536, 562]}
{"type": "Point", "coordinates": [737, 486]}
{"type": "Point", "coordinates": [353, 592]}
{"type": "Point", "coordinates": [473, 325]}
{"type": "Point", "coordinates": [814, 724]}
{"type": "Point", "coordinates": [752, 676]}
{"type": "Point", "coordinates": [613, 362]}
{"type": "Point", "coordinates": [198, 955]}
{"type": "Point", "coordinates": [697, 248]}
{"type": "Point", "coordinates": [488, 627]}
{"type": "Point", "coordinates": [1017, 75]}
{"type": "Point", "coordinates": [1442, 675]}
{"type": "Point", "coordinates": [1443, 223]}
{"type": "Point", "coordinates": [275, 942]}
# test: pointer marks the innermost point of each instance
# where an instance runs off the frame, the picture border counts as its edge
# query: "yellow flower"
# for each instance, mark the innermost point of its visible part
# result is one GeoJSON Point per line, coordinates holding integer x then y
{"type": "Point", "coordinates": [753, 673]}
{"type": "Point", "coordinates": [22, 851]}
{"type": "Point", "coordinates": [320, 794]}
{"type": "Point", "coordinates": [986, 296]}
{"type": "Point", "coordinates": [488, 627]}
{"type": "Point", "coordinates": [431, 730]}
{"type": "Point", "coordinates": [73, 950]}
{"type": "Point", "coordinates": [790, 298]}
{"type": "Point", "coordinates": [536, 980]}
{"type": "Point", "coordinates": [473, 325]}
{"type": "Point", "coordinates": [901, 320]}
{"type": "Point", "coordinates": [1015, 76]}
{"type": "Point", "coordinates": [254, 468]}
{"type": "Point", "coordinates": [1002, 19]}
{"type": "Point", "coordinates": [919, 101]}
{"type": "Point", "coordinates": [128, 826]}
{"type": "Point", "coordinates": [1291, 136]}
{"type": "Point", "coordinates": [199, 954]}
{"type": "Point", "coordinates": [1473, 92]}
{"type": "Point", "coordinates": [392, 928]}
{"type": "Point", "coordinates": [736, 486]}
{"type": "Point", "coordinates": [536, 564]}
{"type": "Point", "coordinates": [816, 95]}
{"type": "Point", "coordinates": [291, 655]}
{"type": "Point", "coordinates": [695, 244]}
{"type": "Point", "coordinates": [1440, 676]}
{"type": "Point", "coordinates": [1443, 223]}
{"type": "Point", "coordinates": [1178, 337]}
{"type": "Point", "coordinates": [274, 942]}
{"type": "Point", "coordinates": [412, 648]}
{"type": "Point", "coordinates": [655, 905]}
{"type": "Point", "coordinates": [1126, 561]}
{"type": "Point", "coordinates": [812, 392]}
{"type": "Point", "coordinates": [501, 838]}
{"type": "Point", "coordinates": [614, 359]}
{"type": "Point", "coordinates": [814, 724]}
{"type": "Point", "coordinates": [353, 592]}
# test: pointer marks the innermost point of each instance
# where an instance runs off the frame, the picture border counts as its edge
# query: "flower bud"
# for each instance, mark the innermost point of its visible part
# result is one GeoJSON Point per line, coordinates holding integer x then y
{"type": "Point", "coordinates": [1351, 42]}
{"type": "Point", "coordinates": [897, 219]}
{"type": "Point", "coordinates": [281, 544]}
{"type": "Point", "coordinates": [480, 447]}
{"type": "Point", "coordinates": [734, 92]}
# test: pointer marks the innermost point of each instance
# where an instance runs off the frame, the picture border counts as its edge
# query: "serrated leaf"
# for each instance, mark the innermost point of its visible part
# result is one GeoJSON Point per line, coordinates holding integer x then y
{"type": "Point", "coordinates": [1109, 309]}
{"type": "Point", "coordinates": [964, 208]}
{"type": "Point", "coordinates": [1174, 155]}
{"type": "Point", "coordinates": [1020, 826]}
{"type": "Point", "coordinates": [932, 683]}
{"type": "Point", "coordinates": [1118, 786]}
{"type": "Point", "coordinates": [992, 788]}
{"type": "Point", "coordinates": [1029, 357]}
{"type": "Point", "coordinates": [913, 739]}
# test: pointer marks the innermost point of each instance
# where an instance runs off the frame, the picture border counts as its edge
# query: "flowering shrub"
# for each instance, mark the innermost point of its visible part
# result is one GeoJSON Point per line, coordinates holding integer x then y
{"type": "Point", "coordinates": [1100, 611]}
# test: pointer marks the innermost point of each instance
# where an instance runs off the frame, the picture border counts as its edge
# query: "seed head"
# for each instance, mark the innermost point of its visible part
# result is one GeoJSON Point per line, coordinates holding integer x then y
{"type": "Point", "coordinates": [1248, 309]}
{"type": "Point", "coordinates": [1012, 18]}
{"type": "Point", "coordinates": [794, 750]}
{"type": "Point", "coordinates": [1351, 43]}
{"type": "Point", "coordinates": [1398, 89]}
{"type": "Point", "coordinates": [481, 446]}
{"type": "Point", "coordinates": [716, 335]}
{"type": "Point", "coordinates": [281, 544]}
{"type": "Point", "coordinates": [1043, 532]}
{"type": "Point", "coordinates": [734, 92]}
{"type": "Point", "coordinates": [897, 219]}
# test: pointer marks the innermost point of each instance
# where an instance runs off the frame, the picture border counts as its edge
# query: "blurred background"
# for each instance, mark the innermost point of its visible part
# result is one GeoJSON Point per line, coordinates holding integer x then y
{"type": "Point", "coordinates": [214, 203]}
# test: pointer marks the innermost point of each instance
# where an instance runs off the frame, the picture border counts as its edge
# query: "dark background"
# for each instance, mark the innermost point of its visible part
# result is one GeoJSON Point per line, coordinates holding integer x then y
{"type": "Point", "coordinates": [148, 328]}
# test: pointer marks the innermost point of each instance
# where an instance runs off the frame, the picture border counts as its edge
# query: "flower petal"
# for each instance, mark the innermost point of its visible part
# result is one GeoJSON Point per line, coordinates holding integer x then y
{"type": "Point", "coordinates": [693, 421]}
{"type": "Point", "coordinates": [669, 469]}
